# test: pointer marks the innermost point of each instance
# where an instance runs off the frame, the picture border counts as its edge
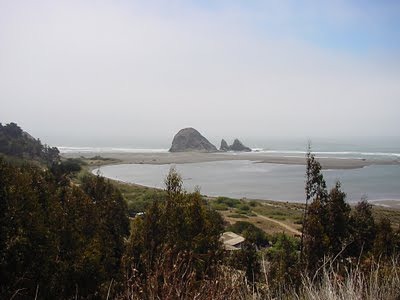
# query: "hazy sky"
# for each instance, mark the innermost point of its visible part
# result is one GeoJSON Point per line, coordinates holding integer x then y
{"type": "Point", "coordinates": [98, 69]}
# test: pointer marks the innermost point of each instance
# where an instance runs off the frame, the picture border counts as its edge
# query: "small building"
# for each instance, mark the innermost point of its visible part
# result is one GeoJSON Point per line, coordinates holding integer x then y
{"type": "Point", "coordinates": [232, 241]}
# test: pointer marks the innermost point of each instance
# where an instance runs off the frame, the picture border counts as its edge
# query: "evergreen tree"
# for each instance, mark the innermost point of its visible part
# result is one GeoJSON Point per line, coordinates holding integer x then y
{"type": "Point", "coordinates": [283, 258]}
{"type": "Point", "coordinates": [314, 241]}
{"type": "Point", "coordinates": [55, 239]}
{"type": "Point", "coordinates": [326, 220]}
{"type": "Point", "coordinates": [181, 223]}
{"type": "Point", "coordinates": [362, 229]}
{"type": "Point", "coordinates": [112, 213]}
{"type": "Point", "coordinates": [247, 260]}
{"type": "Point", "coordinates": [14, 142]}
{"type": "Point", "coordinates": [338, 216]}
{"type": "Point", "coordinates": [315, 183]}
{"type": "Point", "coordinates": [384, 243]}
{"type": "Point", "coordinates": [316, 192]}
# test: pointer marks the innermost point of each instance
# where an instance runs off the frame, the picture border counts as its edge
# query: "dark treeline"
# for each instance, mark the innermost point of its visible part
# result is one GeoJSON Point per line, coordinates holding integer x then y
{"type": "Point", "coordinates": [58, 239]}
{"type": "Point", "coordinates": [332, 229]}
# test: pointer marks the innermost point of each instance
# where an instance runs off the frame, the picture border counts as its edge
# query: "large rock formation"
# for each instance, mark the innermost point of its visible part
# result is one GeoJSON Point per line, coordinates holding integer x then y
{"type": "Point", "coordinates": [189, 139]}
{"type": "Point", "coordinates": [236, 146]}
{"type": "Point", "coordinates": [224, 146]}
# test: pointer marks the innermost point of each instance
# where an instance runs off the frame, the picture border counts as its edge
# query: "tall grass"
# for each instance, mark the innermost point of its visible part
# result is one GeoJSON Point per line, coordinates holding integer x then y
{"type": "Point", "coordinates": [380, 281]}
{"type": "Point", "coordinates": [177, 280]}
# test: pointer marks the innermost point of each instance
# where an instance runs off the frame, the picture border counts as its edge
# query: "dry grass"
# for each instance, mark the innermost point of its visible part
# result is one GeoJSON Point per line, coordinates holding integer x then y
{"type": "Point", "coordinates": [391, 213]}
{"type": "Point", "coordinates": [177, 280]}
{"type": "Point", "coordinates": [380, 282]}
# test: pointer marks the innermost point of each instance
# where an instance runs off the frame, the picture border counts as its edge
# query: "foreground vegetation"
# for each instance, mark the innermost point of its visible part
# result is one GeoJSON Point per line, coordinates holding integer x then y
{"type": "Point", "coordinates": [67, 234]}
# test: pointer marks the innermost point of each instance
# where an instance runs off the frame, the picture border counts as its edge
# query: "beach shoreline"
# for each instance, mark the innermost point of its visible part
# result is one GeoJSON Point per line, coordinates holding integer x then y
{"type": "Point", "coordinates": [384, 203]}
{"type": "Point", "coordinates": [162, 158]}
{"type": "Point", "coordinates": [197, 157]}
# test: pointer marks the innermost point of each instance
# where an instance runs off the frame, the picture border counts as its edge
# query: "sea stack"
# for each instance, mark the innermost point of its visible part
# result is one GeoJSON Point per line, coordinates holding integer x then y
{"type": "Point", "coordinates": [224, 146]}
{"type": "Point", "coordinates": [238, 146]}
{"type": "Point", "coordinates": [189, 139]}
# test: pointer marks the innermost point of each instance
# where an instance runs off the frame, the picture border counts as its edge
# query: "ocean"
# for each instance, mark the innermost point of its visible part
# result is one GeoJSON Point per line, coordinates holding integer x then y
{"type": "Point", "coordinates": [344, 147]}
{"type": "Point", "coordinates": [246, 179]}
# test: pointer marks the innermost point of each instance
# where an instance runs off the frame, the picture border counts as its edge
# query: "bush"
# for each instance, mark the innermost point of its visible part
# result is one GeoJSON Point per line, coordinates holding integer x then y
{"type": "Point", "coordinates": [228, 201]}
{"type": "Point", "coordinates": [244, 207]}
{"type": "Point", "coordinates": [251, 232]}
{"type": "Point", "coordinates": [254, 203]}
{"type": "Point", "coordinates": [219, 206]}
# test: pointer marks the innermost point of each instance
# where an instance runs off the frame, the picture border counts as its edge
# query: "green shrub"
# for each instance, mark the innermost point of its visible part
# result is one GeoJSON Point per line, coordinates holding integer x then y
{"type": "Point", "coordinates": [219, 206]}
{"type": "Point", "coordinates": [243, 206]}
{"type": "Point", "coordinates": [228, 201]}
{"type": "Point", "coordinates": [251, 232]}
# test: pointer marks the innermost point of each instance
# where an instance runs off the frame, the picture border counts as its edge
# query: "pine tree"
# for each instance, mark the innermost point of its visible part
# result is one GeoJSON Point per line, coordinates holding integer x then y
{"type": "Point", "coordinates": [181, 223]}
{"type": "Point", "coordinates": [284, 267]}
{"type": "Point", "coordinates": [384, 244]}
{"type": "Point", "coordinates": [338, 216]}
{"type": "Point", "coordinates": [362, 229]}
{"type": "Point", "coordinates": [326, 219]}
{"type": "Point", "coordinates": [314, 240]}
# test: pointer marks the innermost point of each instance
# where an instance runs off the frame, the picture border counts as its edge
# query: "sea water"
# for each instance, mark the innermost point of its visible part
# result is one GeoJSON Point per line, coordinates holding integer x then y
{"type": "Point", "coordinates": [344, 147]}
{"type": "Point", "coordinates": [267, 181]}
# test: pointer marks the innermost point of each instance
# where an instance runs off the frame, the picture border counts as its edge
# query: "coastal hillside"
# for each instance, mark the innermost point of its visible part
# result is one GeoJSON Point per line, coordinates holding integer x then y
{"type": "Point", "coordinates": [15, 142]}
{"type": "Point", "coordinates": [67, 234]}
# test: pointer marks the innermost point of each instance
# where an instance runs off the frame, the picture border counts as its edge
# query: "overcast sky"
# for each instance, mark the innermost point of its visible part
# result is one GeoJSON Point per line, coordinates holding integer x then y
{"type": "Point", "coordinates": [99, 69]}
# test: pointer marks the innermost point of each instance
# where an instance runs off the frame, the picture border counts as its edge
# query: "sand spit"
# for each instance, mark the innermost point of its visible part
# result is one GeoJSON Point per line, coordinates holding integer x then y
{"type": "Point", "coordinates": [195, 157]}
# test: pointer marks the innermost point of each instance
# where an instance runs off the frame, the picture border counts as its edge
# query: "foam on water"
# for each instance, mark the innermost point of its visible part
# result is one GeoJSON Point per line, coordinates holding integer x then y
{"type": "Point", "coordinates": [328, 154]}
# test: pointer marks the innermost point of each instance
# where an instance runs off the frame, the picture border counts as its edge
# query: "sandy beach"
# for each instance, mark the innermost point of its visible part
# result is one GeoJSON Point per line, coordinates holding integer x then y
{"type": "Point", "coordinates": [195, 157]}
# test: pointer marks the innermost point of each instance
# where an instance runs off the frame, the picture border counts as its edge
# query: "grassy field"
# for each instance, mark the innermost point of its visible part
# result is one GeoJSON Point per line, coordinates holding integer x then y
{"type": "Point", "coordinates": [136, 196]}
{"type": "Point", "coordinates": [233, 210]}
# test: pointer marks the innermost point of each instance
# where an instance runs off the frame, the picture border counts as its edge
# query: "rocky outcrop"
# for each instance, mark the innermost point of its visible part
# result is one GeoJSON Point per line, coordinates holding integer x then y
{"type": "Point", "coordinates": [236, 146]}
{"type": "Point", "coordinates": [224, 146]}
{"type": "Point", "coordinates": [189, 139]}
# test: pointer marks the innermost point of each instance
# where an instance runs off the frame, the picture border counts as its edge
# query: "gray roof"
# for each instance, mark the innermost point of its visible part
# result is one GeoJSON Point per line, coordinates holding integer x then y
{"type": "Point", "coordinates": [231, 240]}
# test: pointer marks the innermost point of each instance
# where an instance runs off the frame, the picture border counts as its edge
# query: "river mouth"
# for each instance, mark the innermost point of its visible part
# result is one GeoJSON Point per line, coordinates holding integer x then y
{"type": "Point", "coordinates": [264, 181]}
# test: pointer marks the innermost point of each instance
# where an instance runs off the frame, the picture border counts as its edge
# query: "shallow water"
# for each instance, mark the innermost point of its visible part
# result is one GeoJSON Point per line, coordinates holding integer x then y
{"type": "Point", "coordinates": [247, 179]}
